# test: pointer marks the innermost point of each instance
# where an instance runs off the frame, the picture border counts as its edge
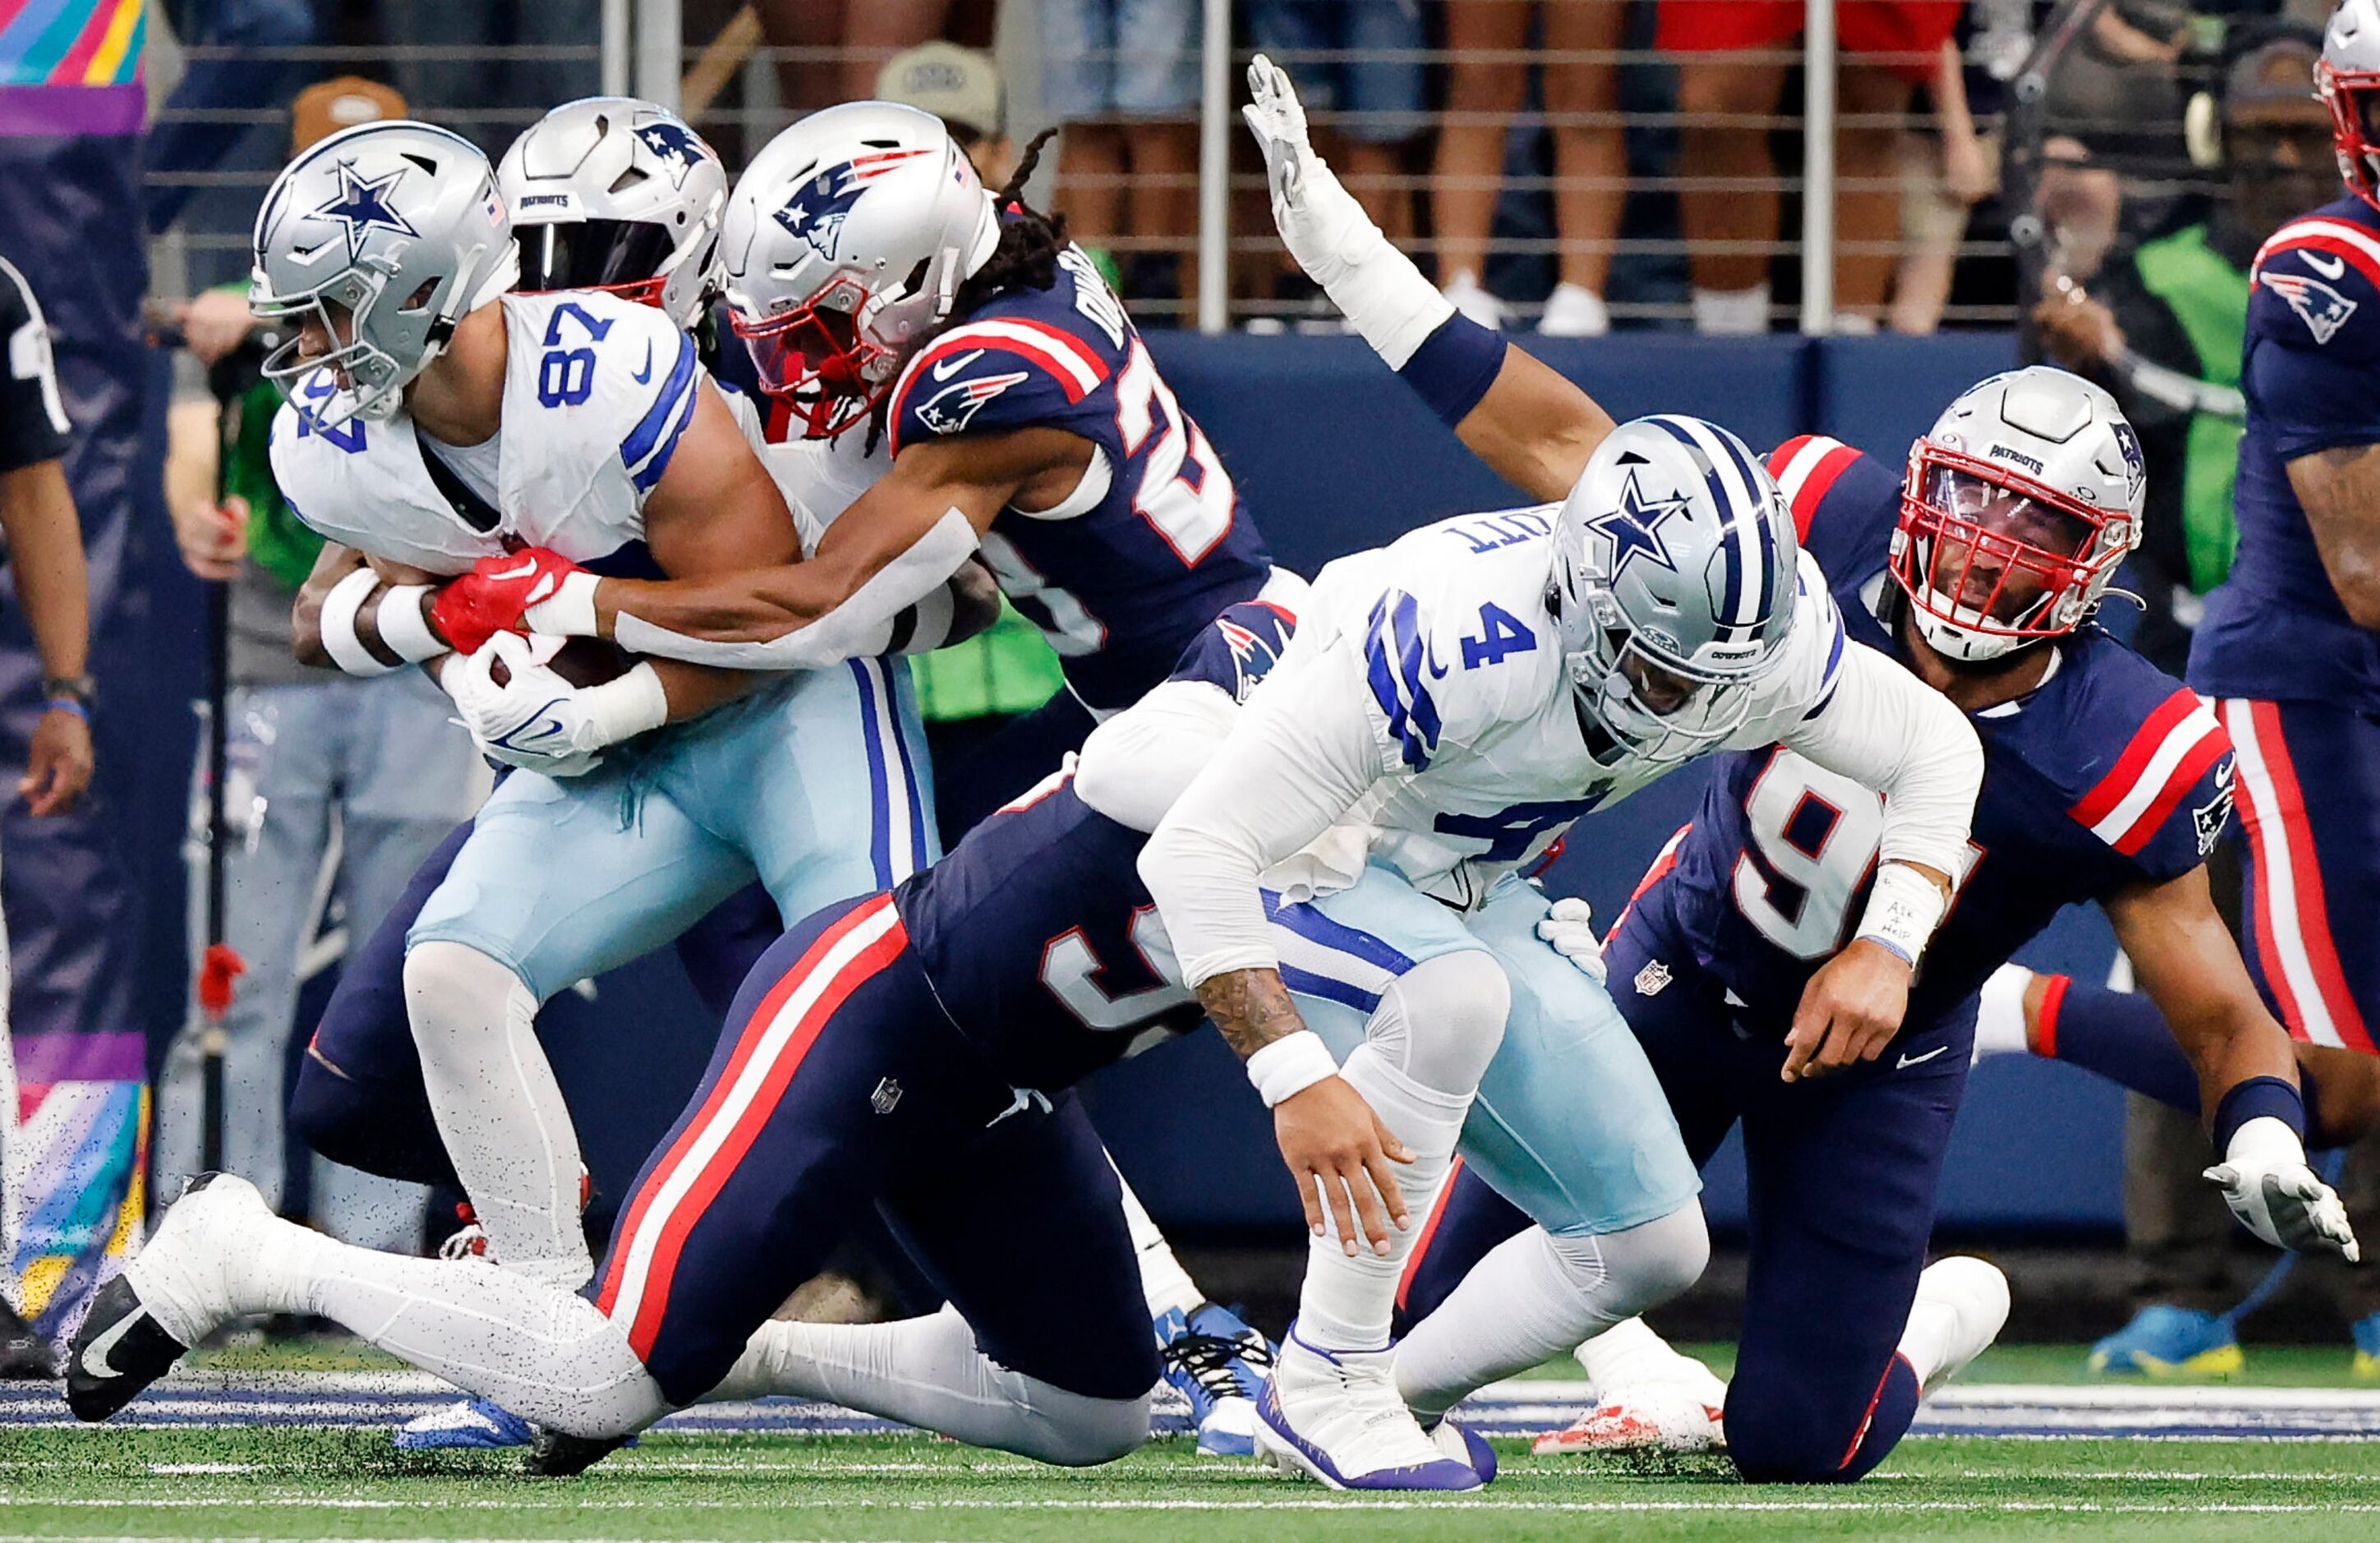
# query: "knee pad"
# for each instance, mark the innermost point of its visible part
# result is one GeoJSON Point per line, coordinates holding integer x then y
{"type": "Point", "coordinates": [1076, 1430]}
{"type": "Point", "coordinates": [617, 1395]}
{"type": "Point", "coordinates": [1441, 1021]}
{"type": "Point", "coordinates": [1773, 1441]}
{"type": "Point", "coordinates": [1632, 1272]}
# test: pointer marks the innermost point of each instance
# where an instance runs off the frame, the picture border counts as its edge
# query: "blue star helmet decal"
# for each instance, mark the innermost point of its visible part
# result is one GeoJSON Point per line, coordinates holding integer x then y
{"type": "Point", "coordinates": [363, 207]}
{"type": "Point", "coordinates": [1634, 528]}
{"type": "Point", "coordinates": [676, 147]}
{"type": "Point", "coordinates": [819, 205]}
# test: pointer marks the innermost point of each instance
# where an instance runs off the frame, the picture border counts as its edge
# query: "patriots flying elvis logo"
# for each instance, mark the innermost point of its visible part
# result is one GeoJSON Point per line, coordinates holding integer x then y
{"type": "Point", "coordinates": [362, 207]}
{"type": "Point", "coordinates": [676, 146]}
{"type": "Point", "coordinates": [1634, 528]}
{"type": "Point", "coordinates": [2321, 308]}
{"type": "Point", "coordinates": [821, 203]}
{"type": "Point", "coordinates": [948, 410]}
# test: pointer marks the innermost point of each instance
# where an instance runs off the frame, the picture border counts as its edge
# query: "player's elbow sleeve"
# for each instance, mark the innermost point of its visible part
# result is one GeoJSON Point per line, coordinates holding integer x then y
{"type": "Point", "coordinates": [1930, 809]}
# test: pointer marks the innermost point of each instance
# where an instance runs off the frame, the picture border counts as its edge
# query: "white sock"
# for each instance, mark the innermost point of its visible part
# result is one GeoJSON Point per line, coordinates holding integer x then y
{"type": "Point", "coordinates": [1999, 1012]}
{"type": "Point", "coordinates": [1163, 1281]}
{"type": "Point", "coordinates": [543, 1351]}
{"type": "Point", "coordinates": [1347, 1303]}
{"type": "Point", "coordinates": [1535, 1296]}
{"type": "Point", "coordinates": [928, 1372]}
{"type": "Point", "coordinates": [499, 1109]}
{"type": "Point", "coordinates": [1731, 312]}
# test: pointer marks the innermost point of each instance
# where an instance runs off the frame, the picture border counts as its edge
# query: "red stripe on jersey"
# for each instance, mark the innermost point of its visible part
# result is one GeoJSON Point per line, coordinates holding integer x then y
{"type": "Point", "coordinates": [2210, 747]}
{"type": "Point", "coordinates": [2125, 775]}
{"type": "Point", "coordinates": [1062, 356]}
{"type": "Point", "coordinates": [749, 1043]}
{"type": "Point", "coordinates": [2260, 925]}
{"type": "Point", "coordinates": [2045, 1031]}
{"type": "Point", "coordinates": [2305, 873]}
{"type": "Point", "coordinates": [1428, 1230]}
{"type": "Point", "coordinates": [2301, 237]}
{"type": "Point", "coordinates": [1815, 487]}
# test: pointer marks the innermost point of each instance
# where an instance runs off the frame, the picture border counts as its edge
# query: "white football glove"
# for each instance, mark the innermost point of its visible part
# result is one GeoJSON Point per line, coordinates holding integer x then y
{"type": "Point", "coordinates": [1321, 221]}
{"type": "Point", "coordinates": [1569, 929]}
{"type": "Point", "coordinates": [536, 720]}
{"type": "Point", "coordinates": [2268, 1187]}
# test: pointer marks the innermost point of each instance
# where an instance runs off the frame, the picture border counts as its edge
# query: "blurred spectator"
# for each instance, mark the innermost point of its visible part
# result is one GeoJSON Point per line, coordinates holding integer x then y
{"type": "Point", "coordinates": [1943, 175]}
{"type": "Point", "coordinates": [319, 762]}
{"type": "Point", "coordinates": [2113, 109]}
{"type": "Point", "coordinates": [1358, 69]}
{"type": "Point", "coordinates": [1485, 85]}
{"type": "Point", "coordinates": [1731, 74]}
{"type": "Point", "coordinates": [843, 44]}
{"type": "Point", "coordinates": [206, 117]}
{"type": "Point", "coordinates": [45, 546]}
{"type": "Point", "coordinates": [2161, 326]}
{"type": "Point", "coordinates": [1122, 77]}
{"type": "Point", "coordinates": [961, 87]}
{"type": "Point", "coordinates": [489, 68]}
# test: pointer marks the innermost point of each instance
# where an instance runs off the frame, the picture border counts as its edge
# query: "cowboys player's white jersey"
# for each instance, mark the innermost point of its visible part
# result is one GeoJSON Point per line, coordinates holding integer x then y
{"type": "Point", "coordinates": [1482, 760]}
{"type": "Point", "coordinates": [597, 391]}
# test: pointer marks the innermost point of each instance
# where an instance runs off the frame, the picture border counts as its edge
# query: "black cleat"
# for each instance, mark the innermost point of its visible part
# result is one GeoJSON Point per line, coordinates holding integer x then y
{"type": "Point", "coordinates": [118, 1351]}
{"type": "Point", "coordinates": [556, 1455]}
{"type": "Point", "coordinates": [25, 1354]}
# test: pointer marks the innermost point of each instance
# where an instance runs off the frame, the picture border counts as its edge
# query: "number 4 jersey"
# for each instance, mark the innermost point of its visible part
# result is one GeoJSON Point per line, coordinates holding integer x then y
{"type": "Point", "coordinates": [1152, 543]}
{"type": "Point", "coordinates": [2107, 774]}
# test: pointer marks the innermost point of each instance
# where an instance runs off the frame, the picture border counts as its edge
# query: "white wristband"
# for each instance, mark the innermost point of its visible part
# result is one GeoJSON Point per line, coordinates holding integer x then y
{"type": "Point", "coordinates": [626, 707]}
{"type": "Point", "coordinates": [1290, 1066]}
{"type": "Point", "coordinates": [338, 625]}
{"type": "Point", "coordinates": [2266, 1142]}
{"type": "Point", "coordinates": [570, 613]}
{"type": "Point", "coordinates": [1903, 908]}
{"type": "Point", "coordinates": [403, 626]}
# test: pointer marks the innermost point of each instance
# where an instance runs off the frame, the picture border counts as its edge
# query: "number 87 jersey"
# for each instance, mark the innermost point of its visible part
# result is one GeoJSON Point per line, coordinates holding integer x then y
{"type": "Point", "coordinates": [1152, 543]}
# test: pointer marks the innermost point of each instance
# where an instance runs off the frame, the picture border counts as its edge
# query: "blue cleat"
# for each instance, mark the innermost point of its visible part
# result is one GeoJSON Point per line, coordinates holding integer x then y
{"type": "Point", "coordinates": [2169, 1344]}
{"type": "Point", "coordinates": [1217, 1362]}
{"type": "Point", "coordinates": [1464, 1445]}
{"type": "Point", "coordinates": [477, 1424]}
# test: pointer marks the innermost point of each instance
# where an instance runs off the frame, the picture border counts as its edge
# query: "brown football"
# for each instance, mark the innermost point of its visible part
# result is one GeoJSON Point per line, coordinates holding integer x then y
{"type": "Point", "coordinates": [582, 662]}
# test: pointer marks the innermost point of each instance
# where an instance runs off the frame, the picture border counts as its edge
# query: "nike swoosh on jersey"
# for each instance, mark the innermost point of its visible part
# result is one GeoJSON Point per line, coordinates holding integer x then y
{"type": "Point", "coordinates": [647, 372]}
{"type": "Point", "coordinates": [1909, 1061]}
{"type": "Point", "coordinates": [945, 369]}
{"type": "Point", "coordinates": [94, 1356]}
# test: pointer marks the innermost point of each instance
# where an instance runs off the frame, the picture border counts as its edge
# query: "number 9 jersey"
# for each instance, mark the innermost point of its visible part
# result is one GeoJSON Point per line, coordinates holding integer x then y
{"type": "Point", "coordinates": [597, 391]}
{"type": "Point", "coordinates": [2108, 773]}
{"type": "Point", "coordinates": [1152, 543]}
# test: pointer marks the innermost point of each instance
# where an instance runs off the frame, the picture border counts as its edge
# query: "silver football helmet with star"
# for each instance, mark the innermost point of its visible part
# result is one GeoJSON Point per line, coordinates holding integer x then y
{"type": "Point", "coordinates": [388, 234]}
{"type": "Point", "coordinates": [1674, 583]}
{"type": "Point", "coordinates": [847, 237]}
{"type": "Point", "coordinates": [617, 194]}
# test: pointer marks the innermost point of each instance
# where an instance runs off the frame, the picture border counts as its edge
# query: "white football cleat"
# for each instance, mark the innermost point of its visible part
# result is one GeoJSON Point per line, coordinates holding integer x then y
{"type": "Point", "coordinates": [1648, 1418]}
{"type": "Point", "coordinates": [177, 1291]}
{"type": "Point", "coordinates": [1962, 1305]}
{"type": "Point", "coordinates": [1335, 1416]}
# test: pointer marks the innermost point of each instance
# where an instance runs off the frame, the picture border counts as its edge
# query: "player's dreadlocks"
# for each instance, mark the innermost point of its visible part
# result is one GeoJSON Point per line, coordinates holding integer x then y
{"type": "Point", "coordinates": [1026, 258]}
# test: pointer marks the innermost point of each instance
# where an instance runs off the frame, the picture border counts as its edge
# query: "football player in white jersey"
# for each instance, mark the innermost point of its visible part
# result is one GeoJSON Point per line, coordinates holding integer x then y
{"type": "Point", "coordinates": [389, 253]}
{"type": "Point", "coordinates": [1450, 706]}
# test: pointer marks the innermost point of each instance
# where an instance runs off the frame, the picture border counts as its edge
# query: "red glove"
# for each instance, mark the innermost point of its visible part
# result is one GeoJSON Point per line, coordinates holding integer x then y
{"type": "Point", "coordinates": [496, 594]}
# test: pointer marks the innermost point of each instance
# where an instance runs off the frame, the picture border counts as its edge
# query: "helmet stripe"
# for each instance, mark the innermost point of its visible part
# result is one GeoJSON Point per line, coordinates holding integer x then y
{"type": "Point", "coordinates": [1765, 538]}
{"type": "Point", "coordinates": [1682, 430]}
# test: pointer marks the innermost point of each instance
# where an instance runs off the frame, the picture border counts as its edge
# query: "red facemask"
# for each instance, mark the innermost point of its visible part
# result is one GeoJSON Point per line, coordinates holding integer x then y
{"type": "Point", "coordinates": [814, 360]}
{"type": "Point", "coordinates": [2353, 98]}
{"type": "Point", "coordinates": [1995, 553]}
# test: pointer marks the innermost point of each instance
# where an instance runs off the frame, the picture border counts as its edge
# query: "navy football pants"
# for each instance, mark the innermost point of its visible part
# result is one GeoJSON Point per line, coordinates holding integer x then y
{"type": "Point", "coordinates": [1842, 1172]}
{"type": "Point", "coordinates": [839, 1087]}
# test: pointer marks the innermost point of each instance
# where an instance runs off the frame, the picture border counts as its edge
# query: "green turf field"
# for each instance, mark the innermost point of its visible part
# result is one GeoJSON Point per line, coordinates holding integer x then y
{"type": "Point", "coordinates": [111, 1484]}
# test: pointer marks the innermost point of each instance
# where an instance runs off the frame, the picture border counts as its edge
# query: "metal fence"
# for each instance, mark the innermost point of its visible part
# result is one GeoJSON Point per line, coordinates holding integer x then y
{"type": "Point", "coordinates": [1835, 169]}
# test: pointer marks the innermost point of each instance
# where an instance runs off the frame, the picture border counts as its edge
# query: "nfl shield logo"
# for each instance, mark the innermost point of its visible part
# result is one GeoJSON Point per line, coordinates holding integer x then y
{"type": "Point", "coordinates": [886, 1096]}
{"type": "Point", "coordinates": [1653, 979]}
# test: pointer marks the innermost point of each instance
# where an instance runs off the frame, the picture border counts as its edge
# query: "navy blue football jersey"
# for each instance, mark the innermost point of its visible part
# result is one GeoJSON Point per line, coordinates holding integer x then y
{"type": "Point", "coordinates": [1153, 542]}
{"type": "Point", "coordinates": [1042, 944]}
{"type": "Point", "coordinates": [2108, 773]}
{"type": "Point", "coordinates": [2275, 629]}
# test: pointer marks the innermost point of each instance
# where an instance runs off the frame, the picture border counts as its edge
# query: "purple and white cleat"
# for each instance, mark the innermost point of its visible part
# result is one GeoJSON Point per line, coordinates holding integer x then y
{"type": "Point", "coordinates": [1335, 1416]}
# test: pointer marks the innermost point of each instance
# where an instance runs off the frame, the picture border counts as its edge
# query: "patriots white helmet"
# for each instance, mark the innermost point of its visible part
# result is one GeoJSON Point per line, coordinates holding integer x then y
{"type": "Point", "coordinates": [2348, 78]}
{"type": "Point", "coordinates": [617, 194]}
{"type": "Point", "coordinates": [1674, 583]}
{"type": "Point", "coordinates": [2020, 505]}
{"type": "Point", "coordinates": [387, 235]}
{"type": "Point", "coordinates": [847, 237]}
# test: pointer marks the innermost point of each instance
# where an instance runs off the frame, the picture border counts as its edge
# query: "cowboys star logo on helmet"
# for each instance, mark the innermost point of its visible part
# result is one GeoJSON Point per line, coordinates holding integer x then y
{"type": "Point", "coordinates": [1634, 526]}
{"type": "Point", "coordinates": [817, 210]}
{"type": "Point", "coordinates": [2321, 308]}
{"type": "Point", "coordinates": [362, 207]}
{"type": "Point", "coordinates": [948, 410]}
{"type": "Point", "coordinates": [676, 147]}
